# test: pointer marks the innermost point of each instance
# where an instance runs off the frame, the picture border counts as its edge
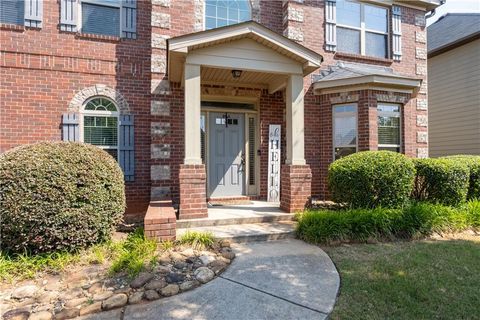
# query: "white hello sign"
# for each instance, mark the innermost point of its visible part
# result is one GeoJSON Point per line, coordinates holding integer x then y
{"type": "Point", "coordinates": [274, 163]}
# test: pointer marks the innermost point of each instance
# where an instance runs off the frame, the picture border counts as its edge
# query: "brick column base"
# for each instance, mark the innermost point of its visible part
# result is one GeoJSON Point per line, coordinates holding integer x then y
{"type": "Point", "coordinates": [193, 193]}
{"type": "Point", "coordinates": [296, 187]}
{"type": "Point", "coordinates": [160, 222]}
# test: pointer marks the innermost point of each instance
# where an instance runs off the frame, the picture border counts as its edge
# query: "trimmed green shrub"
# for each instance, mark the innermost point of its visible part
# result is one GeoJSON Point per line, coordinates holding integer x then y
{"type": "Point", "coordinates": [412, 221]}
{"type": "Point", "coordinates": [473, 163]}
{"type": "Point", "coordinates": [372, 179]}
{"type": "Point", "coordinates": [58, 196]}
{"type": "Point", "coordinates": [442, 181]}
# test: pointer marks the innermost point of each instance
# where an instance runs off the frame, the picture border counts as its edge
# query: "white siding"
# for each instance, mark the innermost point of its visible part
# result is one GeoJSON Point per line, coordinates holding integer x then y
{"type": "Point", "coordinates": [454, 101]}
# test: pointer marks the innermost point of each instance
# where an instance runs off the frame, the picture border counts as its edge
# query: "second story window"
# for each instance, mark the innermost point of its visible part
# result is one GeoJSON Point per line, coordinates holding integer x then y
{"type": "Point", "coordinates": [101, 17]}
{"type": "Point", "coordinates": [224, 13]}
{"type": "Point", "coordinates": [12, 12]}
{"type": "Point", "coordinates": [362, 29]}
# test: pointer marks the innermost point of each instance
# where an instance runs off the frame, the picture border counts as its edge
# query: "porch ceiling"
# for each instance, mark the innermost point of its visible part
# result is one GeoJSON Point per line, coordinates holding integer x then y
{"type": "Point", "coordinates": [265, 57]}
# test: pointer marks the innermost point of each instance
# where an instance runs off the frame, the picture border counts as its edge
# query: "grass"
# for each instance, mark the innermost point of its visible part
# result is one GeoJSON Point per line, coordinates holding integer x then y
{"type": "Point", "coordinates": [198, 240]}
{"type": "Point", "coordinates": [408, 280]}
{"type": "Point", "coordinates": [411, 222]}
{"type": "Point", "coordinates": [131, 255]}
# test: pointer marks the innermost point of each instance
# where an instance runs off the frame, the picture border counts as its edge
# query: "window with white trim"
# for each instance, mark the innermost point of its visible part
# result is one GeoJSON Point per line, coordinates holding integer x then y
{"type": "Point", "coordinates": [389, 127]}
{"type": "Point", "coordinates": [100, 124]}
{"type": "Point", "coordinates": [225, 13]}
{"type": "Point", "coordinates": [362, 29]}
{"type": "Point", "coordinates": [101, 17]}
{"type": "Point", "coordinates": [344, 130]}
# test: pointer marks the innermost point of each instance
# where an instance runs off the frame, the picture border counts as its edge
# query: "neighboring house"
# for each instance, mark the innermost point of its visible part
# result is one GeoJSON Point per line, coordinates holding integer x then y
{"type": "Point", "coordinates": [454, 84]}
{"type": "Point", "coordinates": [217, 99]}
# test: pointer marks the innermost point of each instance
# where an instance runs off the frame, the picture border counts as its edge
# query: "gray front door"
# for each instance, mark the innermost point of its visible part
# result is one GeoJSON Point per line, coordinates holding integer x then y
{"type": "Point", "coordinates": [226, 155]}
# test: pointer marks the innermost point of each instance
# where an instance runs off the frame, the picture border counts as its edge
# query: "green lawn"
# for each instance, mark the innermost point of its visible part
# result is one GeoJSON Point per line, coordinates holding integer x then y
{"type": "Point", "coordinates": [409, 280]}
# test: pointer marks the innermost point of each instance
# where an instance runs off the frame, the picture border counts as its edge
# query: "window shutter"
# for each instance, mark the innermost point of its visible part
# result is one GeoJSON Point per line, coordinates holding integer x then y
{"type": "Point", "coordinates": [70, 126]}
{"type": "Point", "coordinates": [331, 25]}
{"type": "Point", "coordinates": [33, 13]}
{"type": "Point", "coordinates": [68, 15]}
{"type": "Point", "coordinates": [126, 147]}
{"type": "Point", "coordinates": [129, 19]}
{"type": "Point", "coordinates": [397, 33]}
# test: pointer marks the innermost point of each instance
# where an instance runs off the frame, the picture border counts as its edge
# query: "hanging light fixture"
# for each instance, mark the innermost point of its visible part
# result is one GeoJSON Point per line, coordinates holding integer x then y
{"type": "Point", "coordinates": [236, 74]}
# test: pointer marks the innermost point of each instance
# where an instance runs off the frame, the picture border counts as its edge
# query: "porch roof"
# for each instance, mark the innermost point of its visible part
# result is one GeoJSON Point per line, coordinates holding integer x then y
{"type": "Point", "coordinates": [180, 47]}
{"type": "Point", "coordinates": [356, 76]}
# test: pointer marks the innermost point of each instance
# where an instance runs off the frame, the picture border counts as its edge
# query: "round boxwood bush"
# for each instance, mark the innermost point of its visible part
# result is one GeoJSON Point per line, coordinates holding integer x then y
{"type": "Point", "coordinates": [473, 163]}
{"type": "Point", "coordinates": [58, 196]}
{"type": "Point", "coordinates": [371, 179]}
{"type": "Point", "coordinates": [441, 180]}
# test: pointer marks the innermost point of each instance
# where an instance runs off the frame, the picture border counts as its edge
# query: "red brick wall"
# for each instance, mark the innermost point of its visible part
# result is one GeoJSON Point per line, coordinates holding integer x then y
{"type": "Point", "coordinates": [41, 71]}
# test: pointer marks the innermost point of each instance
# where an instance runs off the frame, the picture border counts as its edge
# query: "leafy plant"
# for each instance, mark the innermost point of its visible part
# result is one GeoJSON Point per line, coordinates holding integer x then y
{"type": "Point", "coordinates": [198, 240]}
{"type": "Point", "coordinates": [136, 253]}
{"type": "Point", "coordinates": [442, 181]}
{"type": "Point", "coordinates": [473, 163]}
{"type": "Point", "coordinates": [58, 196]}
{"type": "Point", "coordinates": [372, 179]}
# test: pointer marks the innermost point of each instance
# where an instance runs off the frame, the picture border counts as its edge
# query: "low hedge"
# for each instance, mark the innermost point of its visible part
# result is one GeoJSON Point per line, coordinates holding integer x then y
{"type": "Point", "coordinates": [441, 180]}
{"type": "Point", "coordinates": [58, 196]}
{"type": "Point", "coordinates": [412, 221]}
{"type": "Point", "coordinates": [372, 179]}
{"type": "Point", "coordinates": [473, 163]}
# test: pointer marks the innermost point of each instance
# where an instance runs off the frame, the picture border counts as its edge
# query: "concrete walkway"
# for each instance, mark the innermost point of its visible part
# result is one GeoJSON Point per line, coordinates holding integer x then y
{"type": "Point", "coordinates": [286, 279]}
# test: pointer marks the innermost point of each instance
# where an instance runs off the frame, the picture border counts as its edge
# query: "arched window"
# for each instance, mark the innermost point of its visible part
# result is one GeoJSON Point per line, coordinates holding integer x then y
{"type": "Point", "coordinates": [224, 13]}
{"type": "Point", "coordinates": [100, 124]}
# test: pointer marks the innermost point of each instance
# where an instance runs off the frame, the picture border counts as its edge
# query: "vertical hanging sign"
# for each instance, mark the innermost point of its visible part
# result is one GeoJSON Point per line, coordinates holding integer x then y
{"type": "Point", "coordinates": [274, 163]}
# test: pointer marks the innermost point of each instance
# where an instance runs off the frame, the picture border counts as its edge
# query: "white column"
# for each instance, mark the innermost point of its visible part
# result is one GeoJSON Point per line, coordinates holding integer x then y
{"type": "Point", "coordinates": [192, 115]}
{"type": "Point", "coordinates": [295, 121]}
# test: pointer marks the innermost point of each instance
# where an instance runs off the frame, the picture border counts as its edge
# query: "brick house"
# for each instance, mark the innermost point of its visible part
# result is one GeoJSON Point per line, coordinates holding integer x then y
{"type": "Point", "coordinates": [201, 99]}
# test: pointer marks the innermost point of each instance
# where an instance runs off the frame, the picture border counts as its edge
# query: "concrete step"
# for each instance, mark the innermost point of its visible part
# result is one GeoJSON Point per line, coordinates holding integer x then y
{"type": "Point", "coordinates": [241, 233]}
{"type": "Point", "coordinates": [218, 220]}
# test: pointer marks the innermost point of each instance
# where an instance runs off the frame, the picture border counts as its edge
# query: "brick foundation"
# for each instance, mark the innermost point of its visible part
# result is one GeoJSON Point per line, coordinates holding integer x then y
{"type": "Point", "coordinates": [193, 194]}
{"type": "Point", "coordinates": [160, 221]}
{"type": "Point", "coordinates": [296, 184]}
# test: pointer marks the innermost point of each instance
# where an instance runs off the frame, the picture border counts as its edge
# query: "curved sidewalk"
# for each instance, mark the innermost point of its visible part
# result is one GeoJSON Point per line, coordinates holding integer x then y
{"type": "Point", "coordinates": [286, 279]}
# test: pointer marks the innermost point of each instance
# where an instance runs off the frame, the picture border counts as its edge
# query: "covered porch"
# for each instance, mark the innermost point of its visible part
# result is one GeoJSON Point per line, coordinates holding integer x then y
{"type": "Point", "coordinates": [229, 151]}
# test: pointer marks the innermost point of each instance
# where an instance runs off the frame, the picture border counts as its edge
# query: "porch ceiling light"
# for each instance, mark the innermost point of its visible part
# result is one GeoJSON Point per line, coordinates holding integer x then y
{"type": "Point", "coordinates": [236, 73]}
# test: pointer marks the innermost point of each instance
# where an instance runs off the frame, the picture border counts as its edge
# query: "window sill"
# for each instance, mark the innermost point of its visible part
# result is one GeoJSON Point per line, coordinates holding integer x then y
{"type": "Point", "coordinates": [97, 37]}
{"type": "Point", "coordinates": [12, 27]}
{"type": "Point", "coordinates": [359, 58]}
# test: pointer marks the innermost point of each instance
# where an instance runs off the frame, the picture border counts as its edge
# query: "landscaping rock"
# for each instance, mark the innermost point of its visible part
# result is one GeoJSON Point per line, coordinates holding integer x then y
{"type": "Point", "coordinates": [188, 252]}
{"type": "Point", "coordinates": [67, 314]}
{"type": "Point", "coordinates": [47, 296]}
{"type": "Point", "coordinates": [97, 287]}
{"type": "Point", "coordinates": [170, 290]}
{"type": "Point", "coordinates": [72, 294]}
{"type": "Point", "coordinates": [163, 269]}
{"type": "Point", "coordinates": [187, 285]}
{"type": "Point", "coordinates": [227, 254]}
{"type": "Point", "coordinates": [175, 277]}
{"type": "Point", "coordinates": [227, 261]}
{"type": "Point", "coordinates": [24, 292]}
{"type": "Point", "coordinates": [156, 284]}
{"type": "Point", "coordinates": [102, 296]}
{"type": "Point", "coordinates": [75, 302]}
{"type": "Point", "coordinates": [151, 295]}
{"type": "Point", "coordinates": [217, 266]}
{"type": "Point", "coordinates": [135, 297]}
{"type": "Point", "coordinates": [206, 259]}
{"type": "Point", "coordinates": [225, 243]}
{"type": "Point", "coordinates": [91, 308]}
{"type": "Point", "coordinates": [141, 279]}
{"type": "Point", "coordinates": [204, 275]}
{"type": "Point", "coordinates": [16, 314]}
{"type": "Point", "coordinates": [116, 301]}
{"type": "Point", "coordinates": [53, 284]}
{"type": "Point", "coordinates": [180, 265]}
{"type": "Point", "coordinates": [175, 256]}
{"type": "Point", "coordinates": [165, 259]}
{"type": "Point", "coordinates": [42, 315]}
